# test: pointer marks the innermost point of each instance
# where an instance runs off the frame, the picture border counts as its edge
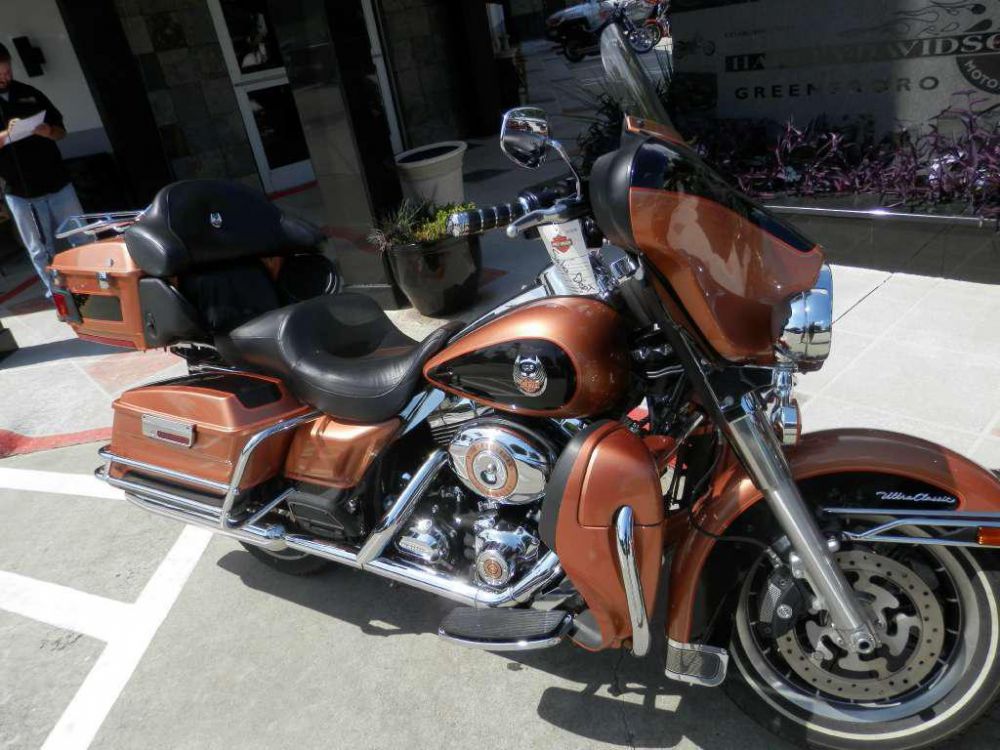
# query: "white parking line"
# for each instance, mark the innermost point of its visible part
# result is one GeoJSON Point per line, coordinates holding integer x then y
{"type": "Point", "coordinates": [57, 483]}
{"type": "Point", "coordinates": [85, 714]}
{"type": "Point", "coordinates": [128, 629]}
{"type": "Point", "coordinates": [61, 606]}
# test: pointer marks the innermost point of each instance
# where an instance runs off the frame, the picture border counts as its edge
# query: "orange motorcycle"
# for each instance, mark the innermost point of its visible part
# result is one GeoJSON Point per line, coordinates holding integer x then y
{"type": "Point", "coordinates": [628, 417]}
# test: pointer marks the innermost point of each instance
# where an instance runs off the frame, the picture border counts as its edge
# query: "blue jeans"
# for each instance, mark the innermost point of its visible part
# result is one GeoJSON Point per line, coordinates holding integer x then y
{"type": "Point", "coordinates": [37, 220]}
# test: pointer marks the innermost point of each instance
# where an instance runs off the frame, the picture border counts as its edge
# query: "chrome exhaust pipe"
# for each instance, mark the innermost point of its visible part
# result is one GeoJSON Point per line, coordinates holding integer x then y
{"type": "Point", "coordinates": [370, 558]}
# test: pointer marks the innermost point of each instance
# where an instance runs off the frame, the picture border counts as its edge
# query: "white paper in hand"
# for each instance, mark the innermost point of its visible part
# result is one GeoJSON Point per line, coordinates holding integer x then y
{"type": "Point", "coordinates": [21, 129]}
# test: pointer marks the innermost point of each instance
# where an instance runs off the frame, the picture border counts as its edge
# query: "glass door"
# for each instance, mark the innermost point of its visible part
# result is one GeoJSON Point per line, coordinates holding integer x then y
{"type": "Point", "coordinates": [260, 81]}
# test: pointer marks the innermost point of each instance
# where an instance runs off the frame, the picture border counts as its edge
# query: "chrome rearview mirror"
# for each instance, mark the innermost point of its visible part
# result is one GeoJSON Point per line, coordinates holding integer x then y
{"type": "Point", "coordinates": [525, 139]}
{"type": "Point", "coordinates": [524, 136]}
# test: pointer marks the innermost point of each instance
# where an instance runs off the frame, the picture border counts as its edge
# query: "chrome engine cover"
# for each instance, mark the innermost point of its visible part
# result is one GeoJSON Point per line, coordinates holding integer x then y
{"type": "Point", "coordinates": [424, 540]}
{"type": "Point", "coordinates": [502, 461]}
{"type": "Point", "coordinates": [502, 550]}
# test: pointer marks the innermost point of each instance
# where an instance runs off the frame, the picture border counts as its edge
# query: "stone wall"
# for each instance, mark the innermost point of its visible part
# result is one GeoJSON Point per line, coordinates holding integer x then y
{"type": "Point", "coordinates": [189, 89]}
{"type": "Point", "coordinates": [424, 43]}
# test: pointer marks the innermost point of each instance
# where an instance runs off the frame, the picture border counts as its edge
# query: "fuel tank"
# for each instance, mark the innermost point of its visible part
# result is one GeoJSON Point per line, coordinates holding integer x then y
{"type": "Point", "coordinates": [725, 261]}
{"type": "Point", "coordinates": [559, 357]}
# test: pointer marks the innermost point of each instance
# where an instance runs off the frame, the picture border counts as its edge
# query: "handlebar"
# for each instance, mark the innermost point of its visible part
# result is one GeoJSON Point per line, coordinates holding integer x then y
{"type": "Point", "coordinates": [478, 220]}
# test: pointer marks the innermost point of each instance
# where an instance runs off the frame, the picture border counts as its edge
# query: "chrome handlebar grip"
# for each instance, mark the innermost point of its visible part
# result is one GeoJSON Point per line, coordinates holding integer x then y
{"type": "Point", "coordinates": [478, 220]}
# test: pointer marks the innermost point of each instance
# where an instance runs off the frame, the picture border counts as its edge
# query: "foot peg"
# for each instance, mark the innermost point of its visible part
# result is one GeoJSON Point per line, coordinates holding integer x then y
{"type": "Point", "coordinates": [696, 664]}
{"type": "Point", "coordinates": [505, 629]}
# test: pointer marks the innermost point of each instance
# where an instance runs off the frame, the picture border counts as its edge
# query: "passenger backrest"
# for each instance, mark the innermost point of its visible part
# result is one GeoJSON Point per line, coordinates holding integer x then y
{"type": "Point", "coordinates": [206, 222]}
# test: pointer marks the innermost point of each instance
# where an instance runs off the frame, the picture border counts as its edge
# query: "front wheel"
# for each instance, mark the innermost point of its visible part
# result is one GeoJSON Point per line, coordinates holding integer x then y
{"type": "Point", "coordinates": [654, 32]}
{"type": "Point", "coordinates": [642, 40]}
{"type": "Point", "coordinates": [936, 672]}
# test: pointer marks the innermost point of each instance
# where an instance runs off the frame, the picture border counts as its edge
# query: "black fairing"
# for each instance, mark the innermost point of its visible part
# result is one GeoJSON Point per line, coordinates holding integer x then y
{"type": "Point", "coordinates": [489, 374]}
{"type": "Point", "coordinates": [610, 182]}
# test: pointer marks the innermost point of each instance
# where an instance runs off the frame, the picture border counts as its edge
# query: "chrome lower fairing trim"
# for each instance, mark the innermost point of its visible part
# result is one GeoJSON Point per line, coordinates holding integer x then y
{"type": "Point", "coordinates": [629, 569]}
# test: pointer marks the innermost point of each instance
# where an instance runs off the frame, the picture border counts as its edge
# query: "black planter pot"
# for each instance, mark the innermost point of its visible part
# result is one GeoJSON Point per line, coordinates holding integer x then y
{"type": "Point", "coordinates": [440, 278]}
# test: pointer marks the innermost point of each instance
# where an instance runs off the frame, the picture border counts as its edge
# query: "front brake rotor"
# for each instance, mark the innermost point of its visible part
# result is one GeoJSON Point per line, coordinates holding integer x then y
{"type": "Point", "coordinates": [909, 623]}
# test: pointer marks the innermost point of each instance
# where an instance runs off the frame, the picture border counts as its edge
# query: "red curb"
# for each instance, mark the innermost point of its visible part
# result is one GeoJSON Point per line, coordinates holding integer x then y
{"type": "Point", "coordinates": [292, 191]}
{"type": "Point", "coordinates": [14, 444]}
{"type": "Point", "coordinates": [18, 289]}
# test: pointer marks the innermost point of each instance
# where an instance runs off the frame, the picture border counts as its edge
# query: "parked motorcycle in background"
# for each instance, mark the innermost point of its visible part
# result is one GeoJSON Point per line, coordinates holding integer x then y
{"type": "Point", "coordinates": [657, 26]}
{"type": "Point", "coordinates": [578, 29]}
{"type": "Point", "coordinates": [630, 415]}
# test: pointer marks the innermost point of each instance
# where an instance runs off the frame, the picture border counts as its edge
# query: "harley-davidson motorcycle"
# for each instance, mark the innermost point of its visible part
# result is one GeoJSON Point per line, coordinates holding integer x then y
{"type": "Point", "coordinates": [628, 417]}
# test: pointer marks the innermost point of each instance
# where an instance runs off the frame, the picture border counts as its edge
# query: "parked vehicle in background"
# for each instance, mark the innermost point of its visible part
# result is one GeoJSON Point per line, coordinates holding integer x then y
{"type": "Point", "coordinates": [658, 24]}
{"type": "Point", "coordinates": [578, 29]}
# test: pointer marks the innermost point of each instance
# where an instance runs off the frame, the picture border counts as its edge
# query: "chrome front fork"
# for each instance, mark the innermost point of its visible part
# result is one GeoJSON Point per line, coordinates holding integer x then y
{"type": "Point", "coordinates": [758, 446]}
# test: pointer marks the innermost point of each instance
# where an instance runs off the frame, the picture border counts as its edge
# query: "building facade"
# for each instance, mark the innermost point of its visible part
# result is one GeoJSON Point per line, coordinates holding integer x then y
{"type": "Point", "coordinates": [288, 96]}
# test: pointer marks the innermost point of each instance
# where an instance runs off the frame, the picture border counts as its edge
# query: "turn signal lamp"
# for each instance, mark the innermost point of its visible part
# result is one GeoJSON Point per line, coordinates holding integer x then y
{"type": "Point", "coordinates": [989, 537]}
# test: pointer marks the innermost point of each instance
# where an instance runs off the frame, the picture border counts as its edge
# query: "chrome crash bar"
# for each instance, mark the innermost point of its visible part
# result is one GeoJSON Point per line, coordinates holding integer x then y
{"type": "Point", "coordinates": [274, 537]}
{"type": "Point", "coordinates": [629, 569]}
{"type": "Point", "coordinates": [930, 522]}
{"type": "Point", "coordinates": [230, 492]}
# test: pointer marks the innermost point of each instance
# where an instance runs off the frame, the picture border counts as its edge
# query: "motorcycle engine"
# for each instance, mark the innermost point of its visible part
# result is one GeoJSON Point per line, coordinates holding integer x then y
{"type": "Point", "coordinates": [487, 522]}
{"type": "Point", "coordinates": [501, 461]}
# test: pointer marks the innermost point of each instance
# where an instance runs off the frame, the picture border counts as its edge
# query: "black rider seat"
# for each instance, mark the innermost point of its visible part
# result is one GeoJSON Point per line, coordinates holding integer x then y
{"type": "Point", "coordinates": [340, 354]}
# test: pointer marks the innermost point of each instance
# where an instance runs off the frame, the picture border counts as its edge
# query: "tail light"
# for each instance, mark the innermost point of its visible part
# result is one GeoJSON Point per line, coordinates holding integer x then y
{"type": "Point", "coordinates": [66, 307]}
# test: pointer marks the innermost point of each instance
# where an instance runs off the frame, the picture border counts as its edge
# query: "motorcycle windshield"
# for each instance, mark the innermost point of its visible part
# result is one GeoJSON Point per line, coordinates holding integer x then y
{"type": "Point", "coordinates": [627, 79]}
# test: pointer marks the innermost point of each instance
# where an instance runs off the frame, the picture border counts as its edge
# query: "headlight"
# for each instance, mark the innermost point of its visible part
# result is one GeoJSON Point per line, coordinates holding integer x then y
{"type": "Point", "coordinates": [807, 334]}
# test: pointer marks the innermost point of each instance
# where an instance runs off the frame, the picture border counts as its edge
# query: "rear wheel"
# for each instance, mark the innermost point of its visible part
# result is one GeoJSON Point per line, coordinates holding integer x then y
{"type": "Point", "coordinates": [574, 51]}
{"type": "Point", "coordinates": [288, 561]}
{"type": "Point", "coordinates": [937, 669]}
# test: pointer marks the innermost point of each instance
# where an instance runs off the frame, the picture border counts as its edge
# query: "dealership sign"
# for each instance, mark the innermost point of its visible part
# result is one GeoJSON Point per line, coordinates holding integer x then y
{"type": "Point", "coordinates": [887, 60]}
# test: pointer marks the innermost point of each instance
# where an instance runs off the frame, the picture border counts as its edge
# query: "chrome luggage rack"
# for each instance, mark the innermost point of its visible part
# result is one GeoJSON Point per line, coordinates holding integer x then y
{"type": "Point", "coordinates": [94, 224]}
{"type": "Point", "coordinates": [252, 529]}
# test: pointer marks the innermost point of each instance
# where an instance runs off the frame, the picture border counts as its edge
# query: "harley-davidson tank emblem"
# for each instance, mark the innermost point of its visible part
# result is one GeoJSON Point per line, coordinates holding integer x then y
{"type": "Point", "coordinates": [561, 243]}
{"type": "Point", "coordinates": [919, 497]}
{"type": "Point", "coordinates": [530, 376]}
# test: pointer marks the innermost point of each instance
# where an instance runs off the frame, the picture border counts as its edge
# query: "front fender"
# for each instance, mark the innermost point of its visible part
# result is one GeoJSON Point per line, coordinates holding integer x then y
{"type": "Point", "coordinates": [819, 454]}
